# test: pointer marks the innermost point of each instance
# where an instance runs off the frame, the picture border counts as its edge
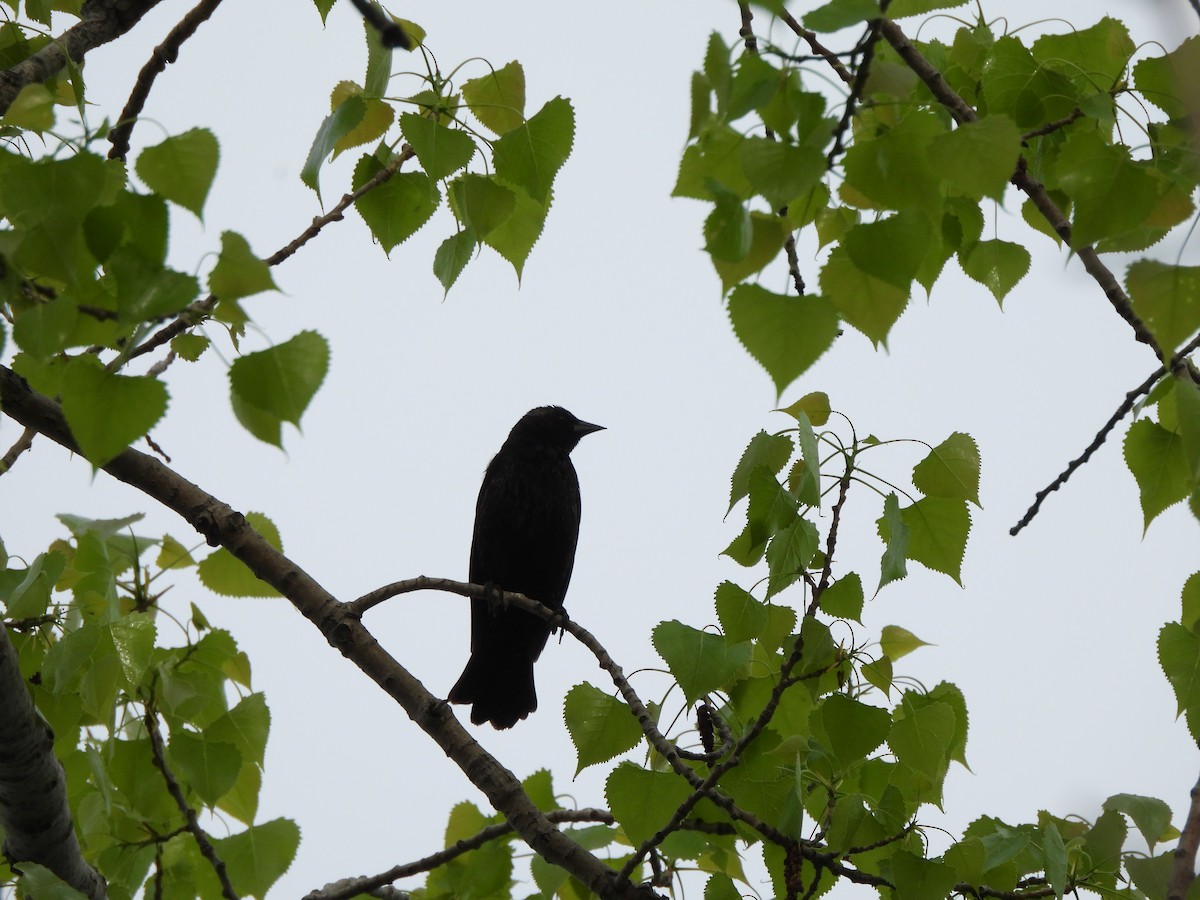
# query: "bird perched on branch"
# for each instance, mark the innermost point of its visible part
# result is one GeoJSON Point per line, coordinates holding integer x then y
{"type": "Point", "coordinates": [526, 528]}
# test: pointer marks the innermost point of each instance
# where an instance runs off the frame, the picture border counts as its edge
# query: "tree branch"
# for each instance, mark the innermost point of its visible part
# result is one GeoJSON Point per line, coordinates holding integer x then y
{"type": "Point", "coordinates": [199, 310]}
{"type": "Point", "coordinates": [1126, 405]}
{"type": "Point", "coordinates": [23, 443]}
{"type": "Point", "coordinates": [222, 525]}
{"type": "Point", "coordinates": [164, 54]}
{"type": "Point", "coordinates": [33, 791]}
{"type": "Point", "coordinates": [100, 21]}
{"type": "Point", "coordinates": [352, 887]}
{"type": "Point", "coordinates": [1183, 867]}
{"type": "Point", "coordinates": [1035, 190]}
{"type": "Point", "coordinates": [189, 815]}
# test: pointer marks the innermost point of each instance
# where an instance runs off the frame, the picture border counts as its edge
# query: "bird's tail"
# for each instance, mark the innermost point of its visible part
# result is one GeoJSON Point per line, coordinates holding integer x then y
{"type": "Point", "coordinates": [499, 687]}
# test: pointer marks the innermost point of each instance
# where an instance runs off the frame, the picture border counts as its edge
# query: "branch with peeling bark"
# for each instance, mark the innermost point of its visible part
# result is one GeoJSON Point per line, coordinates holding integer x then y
{"type": "Point", "coordinates": [100, 21]}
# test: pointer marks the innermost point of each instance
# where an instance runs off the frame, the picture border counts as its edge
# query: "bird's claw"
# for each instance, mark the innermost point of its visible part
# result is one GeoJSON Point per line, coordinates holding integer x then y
{"type": "Point", "coordinates": [497, 603]}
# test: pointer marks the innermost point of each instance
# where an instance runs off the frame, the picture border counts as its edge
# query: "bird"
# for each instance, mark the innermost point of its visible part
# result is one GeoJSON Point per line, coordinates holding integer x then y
{"type": "Point", "coordinates": [526, 528]}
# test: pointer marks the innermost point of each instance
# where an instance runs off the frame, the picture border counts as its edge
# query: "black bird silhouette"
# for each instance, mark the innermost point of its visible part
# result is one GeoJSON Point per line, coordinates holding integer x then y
{"type": "Point", "coordinates": [526, 528]}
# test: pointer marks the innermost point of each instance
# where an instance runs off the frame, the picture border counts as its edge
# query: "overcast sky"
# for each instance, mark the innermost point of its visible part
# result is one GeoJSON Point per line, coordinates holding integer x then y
{"type": "Point", "coordinates": [619, 318]}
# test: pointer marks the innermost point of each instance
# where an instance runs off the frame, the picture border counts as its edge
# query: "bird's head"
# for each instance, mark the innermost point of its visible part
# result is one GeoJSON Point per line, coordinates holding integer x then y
{"type": "Point", "coordinates": [552, 425]}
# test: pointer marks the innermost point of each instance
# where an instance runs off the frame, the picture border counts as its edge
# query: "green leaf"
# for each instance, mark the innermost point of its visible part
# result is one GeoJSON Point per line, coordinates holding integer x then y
{"type": "Point", "coordinates": [238, 272]}
{"type": "Point", "coordinates": [1191, 602]}
{"type": "Point", "coordinates": [38, 881]}
{"type": "Point", "coordinates": [790, 553]}
{"type": "Point", "coordinates": [601, 726]}
{"type": "Point", "coordinates": [258, 857]}
{"type": "Point", "coordinates": [851, 730]}
{"type": "Point", "coordinates": [32, 109]}
{"type": "Point", "coordinates": [897, 642]}
{"type": "Point", "coordinates": [1055, 853]}
{"type": "Point", "coordinates": [767, 236]}
{"type": "Point", "coordinates": [890, 249]}
{"type": "Point", "coordinates": [937, 534]}
{"type": "Point", "coordinates": [244, 727]}
{"type": "Point", "coordinates": [921, 738]}
{"type": "Point", "coordinates": [107, 412]}
{"type": "Point", "coordinates": [31, 596]}
{"type": "Point", "coordinates": [1151, 816]}
{"type": "Point", "coordinates": [452, 257]}
{"type": "Point", "coordinates": [916, 878]}
{"type": "Point", "coordinates": [397, 208]}
{"type": "Point", "coordinates": [643, 801]}
{"type": "Point", "coordinates": [335, 126]}
{"type": "Point", "coordinates": [1099, 53]}
{"type": "Point", "coordinates": [871, 166]}
{"type": "Point", "coordinates": [181, 168]}
{"type": "Point", "coordinates": [770, 450]}
{"type": "Point", "coordinates": [441, 150]}
{"type": "Point", "coordinates": [844, 598]}
{"type": "Point", "coordinates": [839, 14]}
{"type": "Point", "coordinates": [132, 638]}
{"type": "Point", "coordinates": [1111, 193]}
{"type": "Point", "coordinates": [978, 157]}
{"type": "Point", "coordinates": [742, 617]}
{"type": "Point", "coordinates": [701, 662]}
{"type": "Point", "coordinates": [210, 768]}
{"type": "Point", "coordinates": [514, 238]}
{"type": "Point", "coordinates": [1179, 656]}
{"type": "Point", "coordinates": [868, 303]}
{"type": "Point", "coordinates": [1166, 298]}
{"type": "Point", "coordinates": [951, 470]}
{"type": "Point", "coordinates": [1159, 464]}
{"type": "Point", "coordinates": [189, 346]}
{"type": "Point", "coordinates": [498, 99]}
{"type": "Point", "coordinates": [1017, 85]}
{"type": "Point", "coordinates": [785, 334]}
{"type": "Point", "coordinates": [223, 573]}
{"type": "Point", "coordinates": [1169, 81]}
{"type": "Point", "coordinates": [376, 118]}
{"type": "Point", "coordinates": [275, 385]}
{"type": "Point", "coordinates": [814, 405]}
{"type": "Point", "coordinates": [728, 230]}
{"type": "Point", "coordinates": [530, 154]}
{"type": "Point", "coordinates": [894, 531]}
{"type": "Point", "coordinates": [44, 329]}
{"type": "Point", "coordinates": [481, 203]}
{"type": "Point", "coordinates": [147, 291]}
{"type": "Point", "coordinates": [997, 265]}
{"type": "Point", "coordinates": [781, 172]}
{"type": "Point", "coordinates": [1152, 877]}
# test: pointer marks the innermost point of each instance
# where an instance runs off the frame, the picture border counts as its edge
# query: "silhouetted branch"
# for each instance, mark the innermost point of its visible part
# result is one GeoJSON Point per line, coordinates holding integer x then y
{"type": "Point", "coordinates": [1183, 866]}
{"type": "Point", "coordinates": [861, 74]}
{"type": "Point", "coordinates": [810, 37]}
{"type": "Point", "coordinates": [100, 21]}
{"type": "Point", "coordinates": [1033, 188]}
{"type": "Point", "coordinates": [1054, 126]}
{"type": "Point", "coordinates": [1126, 405]}
{"type": "Point", "coordinates": [164, 54]}
{"type": "Point", "coordinates": [352, 887]}
{"type": "Point", "coordinates": [189, 815]}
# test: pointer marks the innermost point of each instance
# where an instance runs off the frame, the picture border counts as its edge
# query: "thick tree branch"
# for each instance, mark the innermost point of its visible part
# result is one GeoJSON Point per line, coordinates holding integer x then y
{"type": "Point", "coordinates": [189, 815]}
{"type": "Point", "coordinates": [1035, 190]}
{"type": "Point", "coordinates": [33, 789]}
{"type": "Point", "coordinates": [1183, 867]}
{"type": "Point", "coordinates": [100, 21]}
{"type": "Point", "coordinates": [222, 525]}
{"type": "Point", "coordinates": [164, 54]}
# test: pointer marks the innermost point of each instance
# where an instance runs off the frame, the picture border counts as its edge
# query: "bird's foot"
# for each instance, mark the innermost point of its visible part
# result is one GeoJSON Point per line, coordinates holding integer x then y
{"type": "Point", "coordinates": [556, 624]}
{"type": "Point", "coordinates": [495, 599]}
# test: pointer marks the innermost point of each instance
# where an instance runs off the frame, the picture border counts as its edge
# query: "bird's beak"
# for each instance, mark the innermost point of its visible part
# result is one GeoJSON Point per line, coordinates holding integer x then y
{"type": "Point", "coordinates": [582, 428]}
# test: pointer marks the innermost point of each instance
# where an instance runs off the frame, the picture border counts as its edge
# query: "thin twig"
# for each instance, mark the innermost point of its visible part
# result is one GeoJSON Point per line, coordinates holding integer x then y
{"type": "Point", "coordinates": [189, 814]}
{"type": "Point", "coordinates": [197, 311]}
{"type": "Point", "coordinates": [23, 443]}
{"type": "Point", "coordinates": [861, 74]}
{"type": "Point", "coordinates": [1034, 189]}
{"type": "Point", "coordinates": [1127, 404]}
{"type": "Point", "coordinates": [164, 54]}
{"type": "Point", "coordinates": [1183, 866]}
{"type": "Point", "coordinates": [1054, 126]}
{"type": "Point", "coordinates": [824, 52]}
{"type": "Point", "coordinates": [352, 887]}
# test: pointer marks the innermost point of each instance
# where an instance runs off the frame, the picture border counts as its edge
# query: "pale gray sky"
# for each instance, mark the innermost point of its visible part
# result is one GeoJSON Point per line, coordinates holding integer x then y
{"type": "Point", "coordinates": [619, 318]}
